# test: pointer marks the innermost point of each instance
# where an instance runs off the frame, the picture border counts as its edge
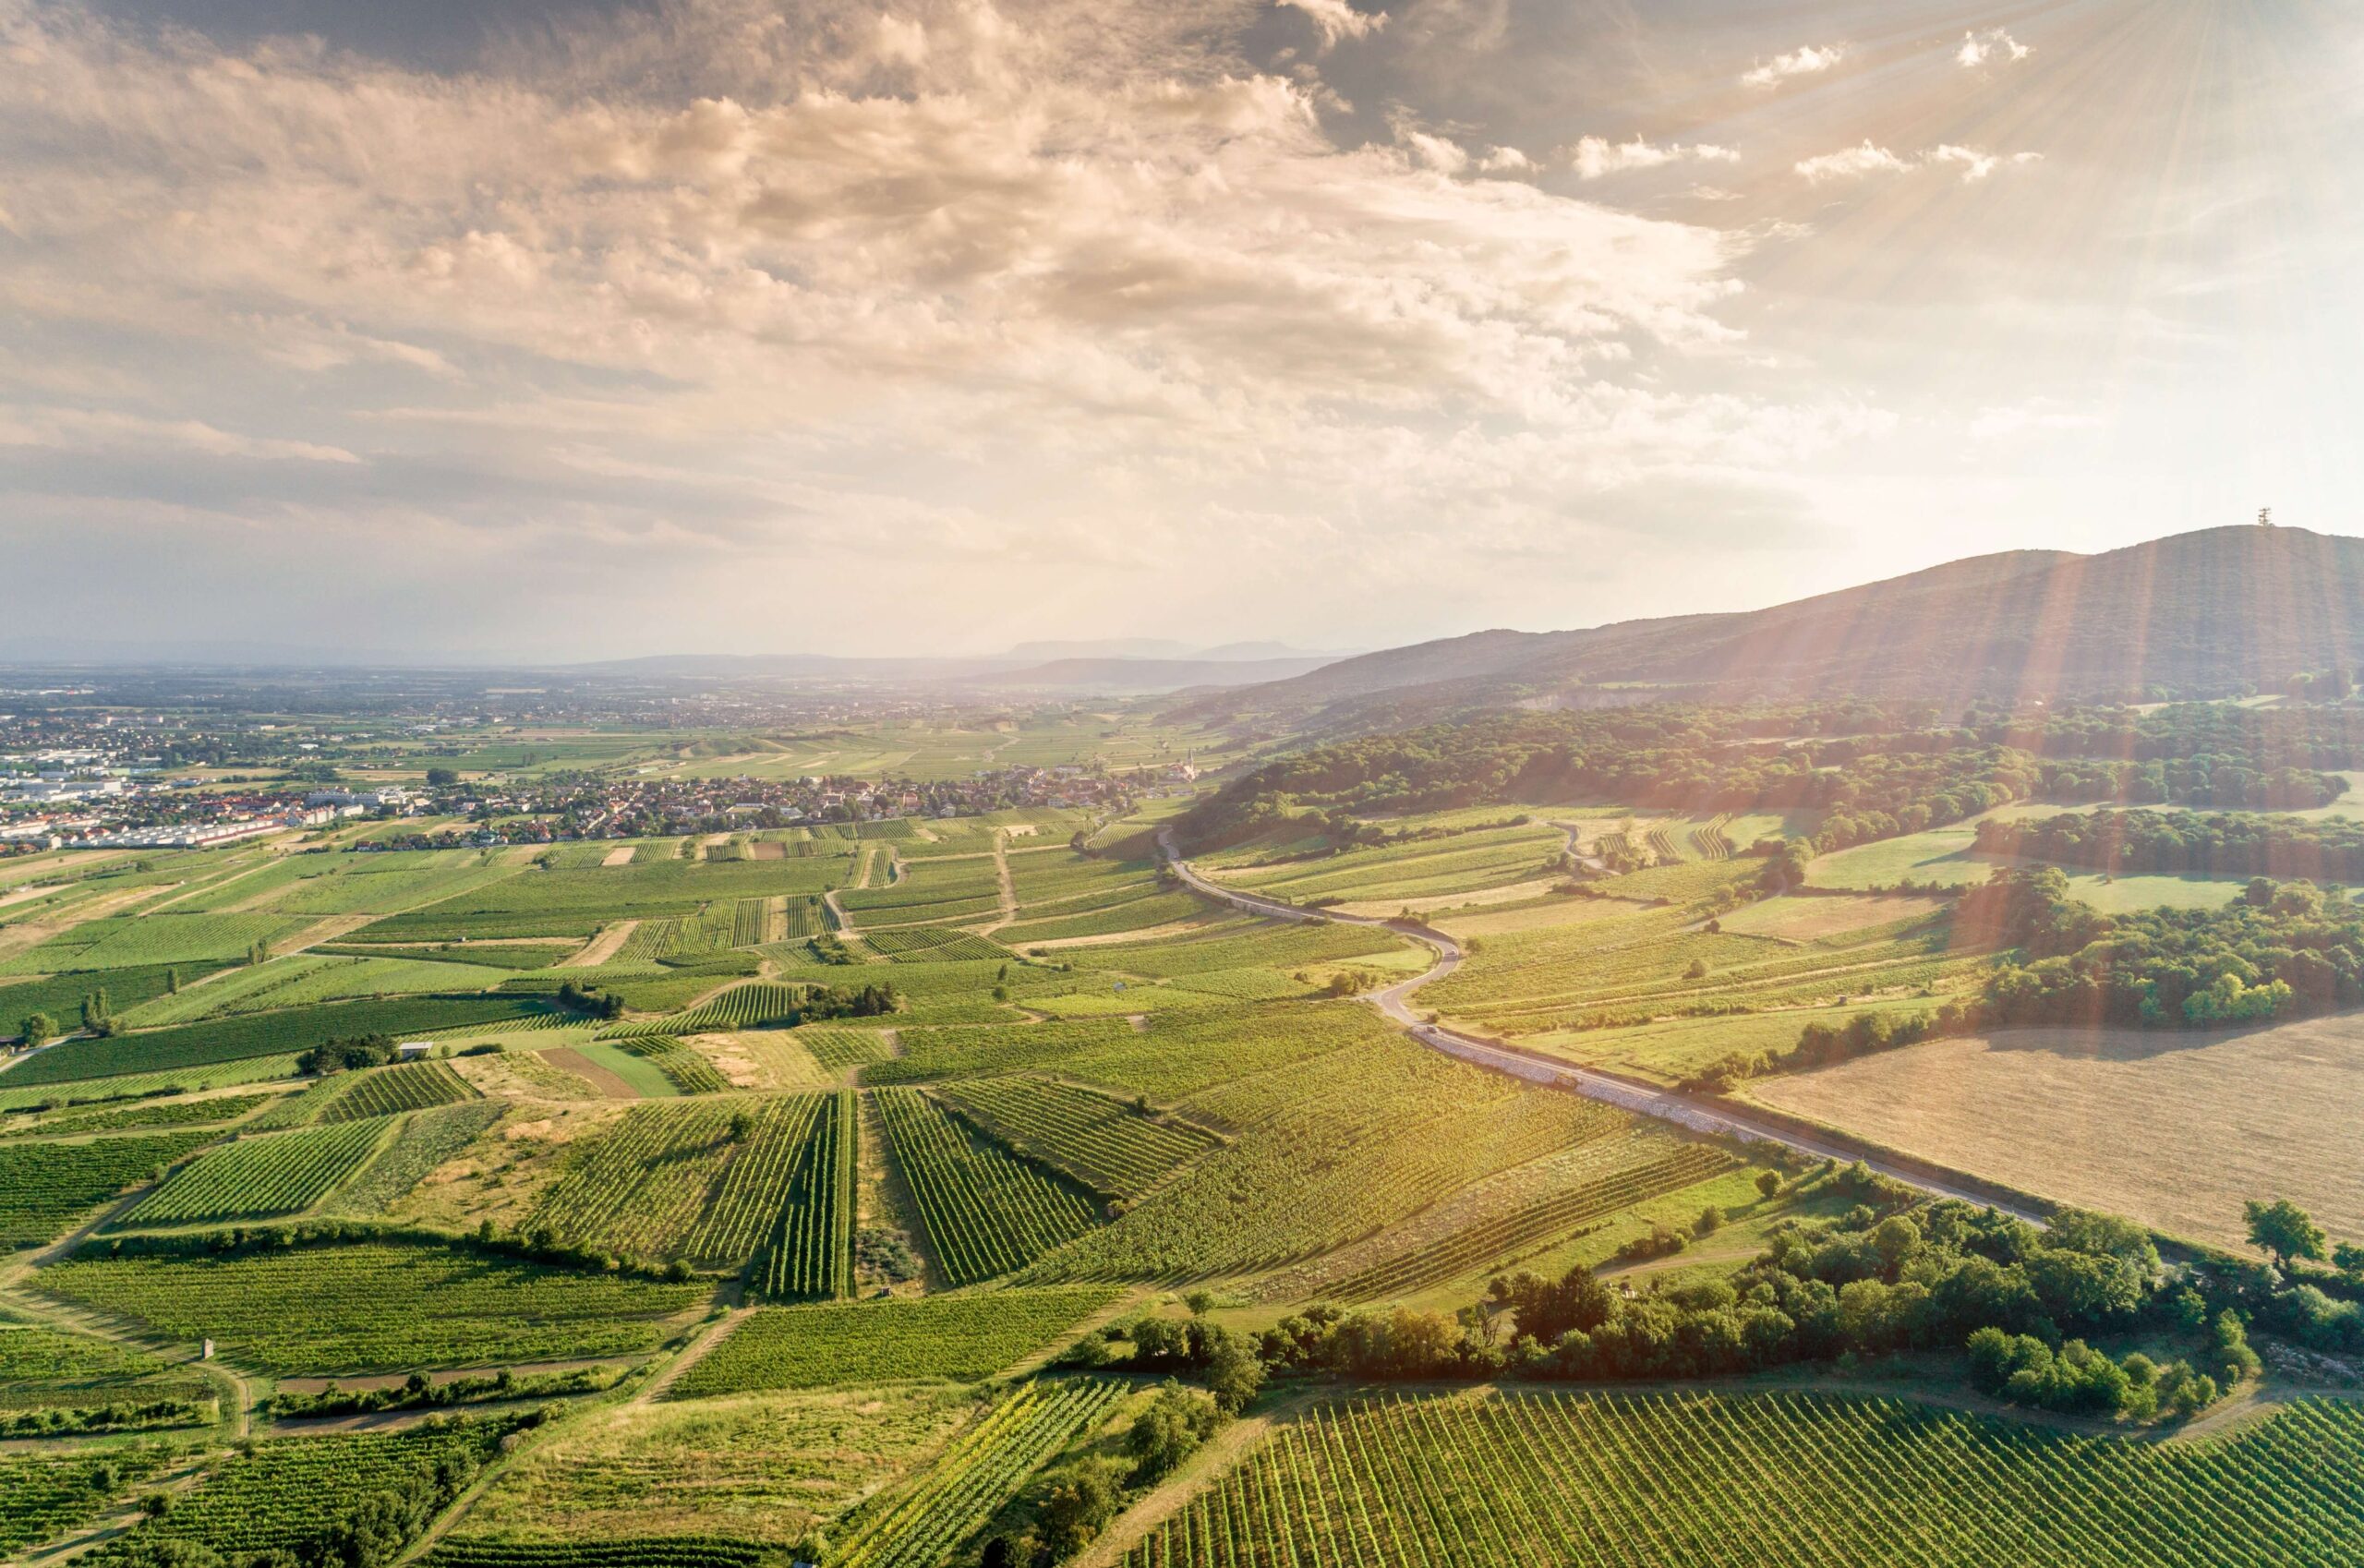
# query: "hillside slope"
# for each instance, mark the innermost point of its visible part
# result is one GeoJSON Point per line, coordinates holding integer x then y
{"type": "Point", "coordinates": [2202, 614]}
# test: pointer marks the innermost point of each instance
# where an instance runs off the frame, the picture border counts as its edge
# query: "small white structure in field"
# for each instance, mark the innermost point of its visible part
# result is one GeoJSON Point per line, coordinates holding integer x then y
{"type": "Point", "coordinates": [414, 1050]}
{"type": "Point", "coordinates": [205, 1350]}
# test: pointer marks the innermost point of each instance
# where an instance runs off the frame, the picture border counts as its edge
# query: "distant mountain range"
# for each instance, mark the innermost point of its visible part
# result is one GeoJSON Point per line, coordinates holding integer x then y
{"type": "Point", "coordinates": [2204, 614]}
{"type": "Point", "coordinates": [1084, 668]}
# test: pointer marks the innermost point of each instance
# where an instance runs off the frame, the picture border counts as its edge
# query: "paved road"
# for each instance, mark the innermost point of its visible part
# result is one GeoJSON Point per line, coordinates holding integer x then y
{"type": "Point", "coordinates": [1395, 1002]}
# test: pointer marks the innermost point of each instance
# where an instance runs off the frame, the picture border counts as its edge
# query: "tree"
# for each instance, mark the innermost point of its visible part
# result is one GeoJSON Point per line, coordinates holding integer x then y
{"type": "Point", "coordinates": [38, 1029]}
{"type": "Point", "coordinates": [1076, 1508]}
{"type": "Point", "coordinates": [1169, 1431]}
{"type": "Point", "coordinates": [1234, 1370]}
{"type": "Point", "coordinates": [1768, 1182]}
{"type": "Point", "coordinates": [442, 778]}
{"type": "Point", "coordinates": [2284, 1232]}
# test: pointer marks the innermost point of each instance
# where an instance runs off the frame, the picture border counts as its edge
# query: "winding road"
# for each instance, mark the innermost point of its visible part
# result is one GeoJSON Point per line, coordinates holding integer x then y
{"type": "Point", "coordinates": [1395, 1003]}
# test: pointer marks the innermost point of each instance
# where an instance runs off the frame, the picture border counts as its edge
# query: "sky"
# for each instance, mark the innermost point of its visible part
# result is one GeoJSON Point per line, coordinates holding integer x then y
{"type": "Point", "coordinates": [546, 330]}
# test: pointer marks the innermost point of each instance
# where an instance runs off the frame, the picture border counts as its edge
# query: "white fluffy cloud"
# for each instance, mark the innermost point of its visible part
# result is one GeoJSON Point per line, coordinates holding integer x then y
{"type": "Point", "coordinates": [1593, 157]}
{"type": "Point", "coordinates": [1978, 48]}
{"type": "Point", "coordinates": [1856, 162]}
{"type": "Point", "coordinates": [1804, 61]}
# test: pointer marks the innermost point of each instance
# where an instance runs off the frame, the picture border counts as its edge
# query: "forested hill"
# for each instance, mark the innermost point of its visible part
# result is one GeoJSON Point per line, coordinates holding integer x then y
{"type": "Point", "coordinates": [2197, 615]}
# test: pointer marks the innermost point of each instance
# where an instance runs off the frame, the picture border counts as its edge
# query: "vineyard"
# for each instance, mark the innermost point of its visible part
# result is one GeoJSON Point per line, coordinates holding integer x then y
{"type": "Point", "coordinates": [711, 1181]}
{"type": "Point", "coordinates": [961, 1338]}
{"type": "Point", "coordinates": [44, 1187]}
{"type": "Point", "coordinates": [683, 1068]}
{"type": "Point", "coordinates": [809, 1253]}
{"type": "Point", "coordinates": [1678, 1165]}
{"type": "Point", "coordinates": [669, 1553]}
{"type": "Point", "coordinates": [932, 944]}
{"type": "Point", "coordinates": [385, 1091]}
{"type": "Point", "coordinates": [757, 1005]}
{"type": "Point", "coordinates": [296, 1495]}
{"type": "Point", "coordinates": [283, 1173]}
{"type": "Point", "coordinates": [158, 1113]}
{"type": "Point", "coordinates": [1763, 1479]}
{"type": "Point", "coordinates": [263, 1035]}
{"type": "Point", "coordinates": [423, 1142]}
{"type": "Point", "coordinates": [1332, 1156]}
{"type": "Point", "coordinates": [1106, 1144]}
{"type": "Point", "coordinates": [840, 1048]}
{"type": "Point", "coordinates": [351, 1309]}
{"type": "Point", "coordinates": [981, 1469]}
{"type": "Point", "coordinates": [988, 1211]}
{"type": "Point", "coordinates": [44, 1495]}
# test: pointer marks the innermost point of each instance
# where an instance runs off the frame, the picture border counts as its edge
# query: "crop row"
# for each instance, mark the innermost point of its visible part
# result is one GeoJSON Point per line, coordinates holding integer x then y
{"type": "Point", "coordinates": [292, 1494]}
{"type": "Point", "coordinates": [388, 1091]}
{"type": "Point", "coordinates": [666, 1552]}
{"type": "Point", "coordinates": [809, 1253]}
{"type": "Point", "coordinates": [963, 1337]}
{"type": "Point", "coordinates": [1777, 1480]}
{"type": "Point", "coordinates": [981, 1469]}
{"type": "Point", "coordinates": [45, 1186]}
{"type": "Point", "coordinates": [1539, 1221]}
{"type": "Point", "coordinates": [262, 1034]}
{"type": "Point", "coordinates": [424, 1141]}
{"type": "Point", "coordinates": [705, 1180]}
{"type": "Point", "coordinates": [933, 944]}
{"type": "Point", "coordinates": [311, 1310]}
{"type": "Point", "coordinates": [986, 1211]}
{"type": "Point", "coordinates": [1344, 1149]}
{"type": "Point", "coordinates": [840, 1048]}
{"type": "Point", "coordinates": [1111, 1147]}
{"type": "Point", "coordinates": [754, 1006]}
{"type": "Point", "coordinates": [283, 1173]}
{"type": "Point", "coordinates": [44, 1495]}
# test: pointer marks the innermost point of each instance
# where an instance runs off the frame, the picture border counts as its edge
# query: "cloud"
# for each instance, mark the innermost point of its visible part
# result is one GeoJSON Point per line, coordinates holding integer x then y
{"type": "Point", "coordinates": [1856, 162]}
{"type": "Point", "coordinates": [1804, 61]}
{"type": "Point", "coordinates": [1851, 164]}
{"type": "Point", "coordinates": [727, 279]}
{"type": "Point", "coordinates": [1593, 157]}
{"type": "Point", "coordinates": [1337, 19]}
{"type": "Point", "coordinates": [104, 431]}
{"type": "Point", "coordinates": [1978, 48]}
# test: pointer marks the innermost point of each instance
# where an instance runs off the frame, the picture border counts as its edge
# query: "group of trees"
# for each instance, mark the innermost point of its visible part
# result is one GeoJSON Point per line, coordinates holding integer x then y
{"type": "Point", "coordinates": [873, 1001]}
{"type": "Point", "coordinates": [347, 1053]}
{"type": "Point", "coordinates": [1876, 770]}
{"type": "Point", "coordinates": [2277, 950]}
{"type": "Point", "coordinates": [2186, 843]}
{"type": "Point", "coordinates": [1894, 1274]}
{"type": "Point", "coordinates": [590, 1001]}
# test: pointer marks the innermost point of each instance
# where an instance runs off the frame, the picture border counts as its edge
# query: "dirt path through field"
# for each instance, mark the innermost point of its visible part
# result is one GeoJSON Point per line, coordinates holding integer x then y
{"type": "Point", "coordinates": [699, 1349]}
{"type": "Point", "coordinates": [602, 947]}
{"type": "Point", "coordinates": [568, 1059]}
{"type": "Point", "coordinates": [1008, 887]}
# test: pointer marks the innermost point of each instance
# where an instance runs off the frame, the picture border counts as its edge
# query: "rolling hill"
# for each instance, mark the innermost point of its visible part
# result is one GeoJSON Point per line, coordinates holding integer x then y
{"type": "Point", "coordinates": [2202, 614]}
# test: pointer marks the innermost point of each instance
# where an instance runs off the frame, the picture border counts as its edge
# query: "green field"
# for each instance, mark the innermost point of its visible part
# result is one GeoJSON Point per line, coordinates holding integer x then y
{"type": "Point", "coordinates": [372, 1309]}
{"type": "Point", "coordinates": [958, 1338]}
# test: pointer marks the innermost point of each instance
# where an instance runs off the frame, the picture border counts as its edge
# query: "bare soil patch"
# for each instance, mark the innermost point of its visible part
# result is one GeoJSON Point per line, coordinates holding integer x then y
{"type": "Point", "coordinates": [621, 855]}
{"type": "Point", "coordinates": [568, 1059]}
{"type": "Point", "coordinates": [2173, 1129]}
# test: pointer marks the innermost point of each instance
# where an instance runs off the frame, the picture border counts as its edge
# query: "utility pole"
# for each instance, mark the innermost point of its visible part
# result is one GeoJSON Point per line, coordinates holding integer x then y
{"type": "Point", "coordinates": [2265, 518]}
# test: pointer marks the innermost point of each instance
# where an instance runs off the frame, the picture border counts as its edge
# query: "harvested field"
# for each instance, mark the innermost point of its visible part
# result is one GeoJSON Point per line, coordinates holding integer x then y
{"type": "Point", "coordinates": [621, 855]}
{"type": "Point", "coordinates": [604, 947]}
{"type": "Point", "coordinates": [2173, 1129]}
